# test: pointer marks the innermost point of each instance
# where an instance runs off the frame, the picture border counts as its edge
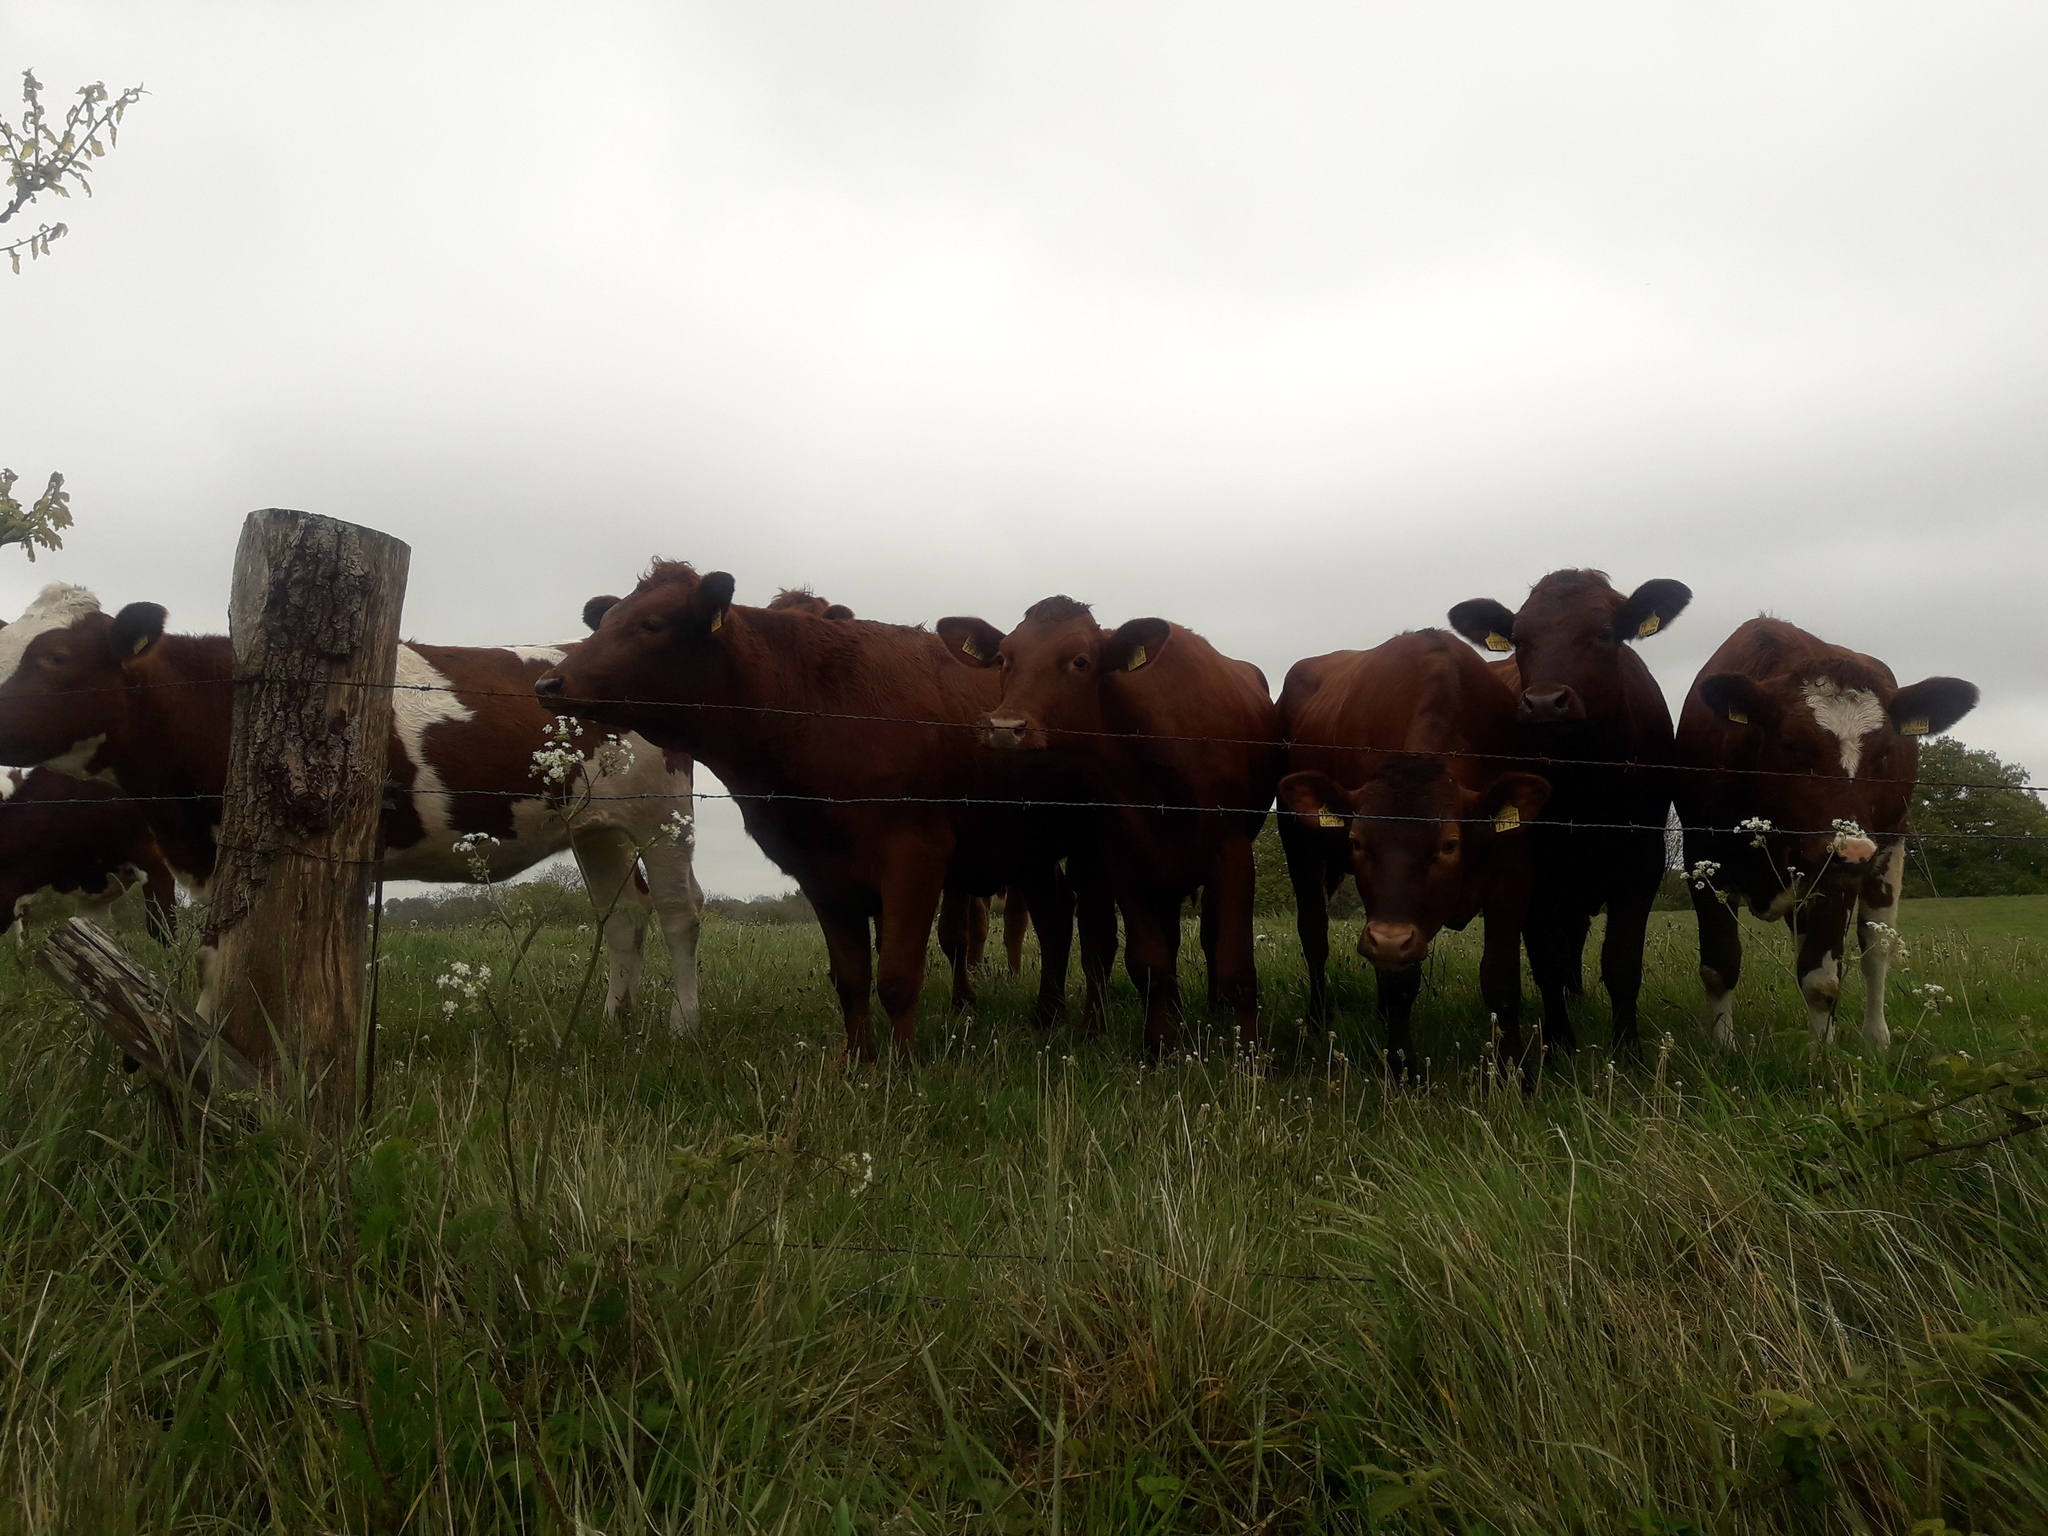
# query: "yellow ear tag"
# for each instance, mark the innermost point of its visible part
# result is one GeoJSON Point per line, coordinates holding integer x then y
{"type": "Point", "coordinates": [1137, 660]}
{"type": "Point", "coordinates": [1737, 717]}
{"type": "Point", "coordinates": [1914, 727]}
{"type": "Point", "coordinates": [969, 648]}
{"type": "Point", "coordinates": [142, 644]}
{"type": "Point", "coordinates": [1329, 819]}
{"type": "Point", "coordinates": [1496, 641]}
{"type": "Point", "coordinates": [1506, 819]}
{"type": "Point", "coordinates": [717, 622]}
{"type": "Point", "coordinates": [1649, 627]}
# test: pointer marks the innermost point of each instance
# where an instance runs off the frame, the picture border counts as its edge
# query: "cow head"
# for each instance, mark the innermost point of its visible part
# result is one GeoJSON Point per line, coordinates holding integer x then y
{"type": "Point", "coordinates": [1568, 640]}
{"type": "Point", "coordinates": [664, 643]}
{"type": "Point", "coordinates": [1053, 668]}
{"type": "Point", "coordinates": [804, 600]}
{"type": "Point", "coordinates": [61, 675]}
{"type": "Point", "coordinates": [1423, 847]}
{"type": "Point", "coordinates": [1830, 744]}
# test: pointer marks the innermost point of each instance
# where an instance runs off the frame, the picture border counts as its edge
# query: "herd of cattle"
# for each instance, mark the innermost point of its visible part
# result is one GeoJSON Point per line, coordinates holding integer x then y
{"type": "Point", "coordinates": [899, 774]}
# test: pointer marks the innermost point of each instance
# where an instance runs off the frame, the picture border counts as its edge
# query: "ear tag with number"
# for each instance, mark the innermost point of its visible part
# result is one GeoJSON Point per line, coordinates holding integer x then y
{"type": "Point", "coordinates": [1649, 627]}
{"type": "Point", "coordinates": [1506, 819]}
{"type": "Point", "coordinates": [969, 648]}
{"type": "Point", "coordinates": [142, 644]}
{"type": "Point", "coordinates": [1496, 641]}
{"type": "Point", "coordinates": [1914, 727]}
{"type": "Point", "coordinates": [1137, 660]}
{"type": "Point", "coordinates": [1329, 819]}
{"type": "Point", "coordinates": [1737, 717]}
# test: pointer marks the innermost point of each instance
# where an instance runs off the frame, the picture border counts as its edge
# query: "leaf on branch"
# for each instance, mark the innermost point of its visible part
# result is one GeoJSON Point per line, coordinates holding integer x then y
{"type": "Point", "coordinates": [37, 524]}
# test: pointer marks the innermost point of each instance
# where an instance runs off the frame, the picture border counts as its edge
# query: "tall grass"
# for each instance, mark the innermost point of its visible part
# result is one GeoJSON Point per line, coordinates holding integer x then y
{"type": "Point", "coordinates": [1032, 1285]}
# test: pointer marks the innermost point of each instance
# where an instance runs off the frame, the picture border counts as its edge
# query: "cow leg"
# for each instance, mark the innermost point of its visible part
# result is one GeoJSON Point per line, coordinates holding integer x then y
{"type": "Point", "coordinates": [1720, 960]}
{"type": "Point", "coordinates": [1095, 912]}
{"type": "Point", "coordinates": [1555, 939]}
{"type": "Point", "coordinates": [1016, 923]}
{"type": "Point", "coordinates": [1151, 953]}
{"type": "Point", "coordinates": [1879, 903]}
{"type": "Point", "coordinates": [1051, 901]}
{"type": "Point", "coordinates": [1227, 939]}
{"type": "Point", "coordinates": [1500, 982]}
{"type": "Point", "coordinates": [1206, 912]}
{"type": "Point", "coordinates": [977, 931]}
{"type": "Point", "coordinates": [1822, 924]}
{"type": "Point", "coordinates": [846, 942]}
{"type": "Point", "coordinates": [910, 900]}
{"type": "Point", "coordinates": [20, 921]}
{"type": "Point", "coordinates": [1308, 865]}
{"type": "Point", "coordinates": [956, 943]}
{"type": "Point", "coordinates": [1396, 1004]}
{"type": "Point", "coordinates": [608, 862]}
{"type": "Point", "coordinates": [679, 905]}
{"type": "Point", "coordinates": [1621, 968]}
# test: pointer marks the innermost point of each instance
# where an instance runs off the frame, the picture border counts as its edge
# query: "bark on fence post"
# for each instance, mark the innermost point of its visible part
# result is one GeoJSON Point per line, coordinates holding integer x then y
{"type": "Point", "coordinates": [314, 617]}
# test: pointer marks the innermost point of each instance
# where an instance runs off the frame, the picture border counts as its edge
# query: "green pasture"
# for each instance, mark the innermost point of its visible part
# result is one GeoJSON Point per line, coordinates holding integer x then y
{"type": "Point", "coordinates": [573, 1277]}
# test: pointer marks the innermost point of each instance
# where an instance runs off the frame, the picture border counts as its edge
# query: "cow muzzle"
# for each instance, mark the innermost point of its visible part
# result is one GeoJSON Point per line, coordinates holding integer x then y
{"type": "Point", "coordinates": [1550, 706]}
{"type": "Point", "coordinates": [1392, 946]}
{"type": "Point", "coordinates": [549, 686]}
{"type": "Point", "coordinates": [1005, 731]}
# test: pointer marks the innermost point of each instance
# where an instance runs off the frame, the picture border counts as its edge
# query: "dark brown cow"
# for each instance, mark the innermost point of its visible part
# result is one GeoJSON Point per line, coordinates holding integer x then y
{"type": "Point", "coordinates": [1809, 753]}
{"type": "Point", "coordinates": [1149, 715]}
{"type": "Point", "coordinates": [864, 807]}
{"type": "Point", "coordinates": [78, 838]}
{"type": "Point", "coordinates": [1401, 782]}
{"type": "Point", "coordinates": [1589, 705]}
{"type": "Point", "coordinates": [114, 697]}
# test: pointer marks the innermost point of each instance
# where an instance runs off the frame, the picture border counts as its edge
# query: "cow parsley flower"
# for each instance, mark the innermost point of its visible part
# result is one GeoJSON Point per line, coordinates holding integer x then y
{"type": "Point", "coordinates": [677, 830]}
{"type": "Point", "coordinates": [615, 758]}
{"type": "Point", "coordinates": [1703, 872]}
{"type": "Point", "coordinates": [475, 848]}
{"type": "Point", "coordinates": [1889, 936]}
{"type": "Point", "coordinates": [1756, 827]}
{"type": "Point", "coordinates": [466, 987]}
{"type": "Point", "coordinates": [1930, 996]}
{"type": "Point", "coordinates": [1845, 832]}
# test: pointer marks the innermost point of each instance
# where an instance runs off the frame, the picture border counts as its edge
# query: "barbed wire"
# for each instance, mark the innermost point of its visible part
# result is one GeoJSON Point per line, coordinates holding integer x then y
{"type": "Point", "coordinates": [985, 802]}
{"type": "Point", "coordinates": [566, 707]}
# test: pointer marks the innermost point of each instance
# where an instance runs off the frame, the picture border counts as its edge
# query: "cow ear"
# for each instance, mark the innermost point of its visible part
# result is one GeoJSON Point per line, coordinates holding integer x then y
{"type": "Point", "coordinates": [710, 601]}
{"type": "Point", "coordinates": [136, 628]}
{"type": "Point", "coordinates": [1485, 622]}
{"type": "Point", "coordinates": [1317, 799]}
{"type": "Point", "coordinates": [1135, 645]}
{"type": "Point", "coordinates": [1930, 707]}
{"type": "Point", "coordinates": [1512, 799]}
{"type": "Point", "coordinates": [973, 642]}
{"type": "Point", "coordinates": [1736, 699]}
{"type": "Point", "coordinates": [595, 610]}
{"type": "Point", "coordinates": [838, 611]}
{"type": "Point", "coordinates": [1650, 607]}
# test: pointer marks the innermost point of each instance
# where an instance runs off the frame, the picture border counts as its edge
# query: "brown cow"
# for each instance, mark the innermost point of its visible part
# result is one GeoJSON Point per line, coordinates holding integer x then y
{"type": "Point", "coordinates": [1808, 755]}
{"type": "Point", "coordinates": [867, 807]}
{"type": "Point", "coordinates": [76, 837]}
{"type": "Point", "coordinates": [116, 698]}
{"type": "Point", "coordinates": [1593, 715]}
{"type": "Point", "coordinates": [1150, 715]}
{"type": "Point", "coordinates": [1432, 827]}
{"type": "Point", "coordinates": [804, 600]}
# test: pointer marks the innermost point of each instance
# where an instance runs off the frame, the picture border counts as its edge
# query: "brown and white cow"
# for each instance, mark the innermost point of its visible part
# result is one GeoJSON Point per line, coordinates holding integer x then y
{"type": "Point", "coordinates": [114, 698]}
{"type": "Point", "coordinates": [1183, 741]}
{"type": "Point", "coordinates": [850, 748]}
{"type": "Point", "coordinates": [78, 838]}
{"type": "Point", "coordinates": [1401, 782]}
{"type": "Point", "coordinates": [1802, 758]}
{"type": "Point", "coordinates": [1595, 723]}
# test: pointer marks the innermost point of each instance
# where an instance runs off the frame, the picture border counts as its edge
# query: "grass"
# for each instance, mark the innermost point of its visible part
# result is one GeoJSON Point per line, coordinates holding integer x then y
{"type": "Point", "coordinates": [573, 1278]}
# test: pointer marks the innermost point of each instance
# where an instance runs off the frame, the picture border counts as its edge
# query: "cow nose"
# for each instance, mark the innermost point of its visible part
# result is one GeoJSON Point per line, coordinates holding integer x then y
{"type": "Point", "coordinates": [1391, 946]}
{"type": "Point", "coordinates": [1006, 730]}
{"type": "Point", "coordinates": [548, 687]}
{"type": "Point", "coordinates": [1547, 706]}
{"type": "Point", "coordinates": [1855, 850]}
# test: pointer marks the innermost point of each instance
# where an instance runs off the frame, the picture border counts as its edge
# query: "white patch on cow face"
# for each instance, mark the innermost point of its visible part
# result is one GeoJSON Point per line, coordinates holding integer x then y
{"type": "Point", "coordinates": [552, 655]}
{"type": "Point", "coordinates": [423, 698]}
{"type": "Point", "coordinates": [73, 763]}
{"type": "Point", "coordinates": [1850, 714]}
{"type": "Point", "coordinates": [57, 606]}
{"type": "Point", "coordinates": [11, 781]}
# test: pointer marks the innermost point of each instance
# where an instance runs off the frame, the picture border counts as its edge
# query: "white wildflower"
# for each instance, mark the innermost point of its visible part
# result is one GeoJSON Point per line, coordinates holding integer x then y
{"type": "Point", "coordinates": [1703, 872]}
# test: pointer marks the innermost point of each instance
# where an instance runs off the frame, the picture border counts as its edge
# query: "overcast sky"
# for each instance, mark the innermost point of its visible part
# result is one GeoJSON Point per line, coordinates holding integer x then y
{"type": "Point", "coordinates": [1294, 323]}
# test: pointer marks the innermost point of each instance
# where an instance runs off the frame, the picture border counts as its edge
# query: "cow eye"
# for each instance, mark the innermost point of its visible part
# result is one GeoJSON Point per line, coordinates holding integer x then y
{"type": "Point", "coordinates": [1080, 663]}
{"type": "Point", "coordinates": [650, 626]}
{"type": "Point", "coordinates": [1449, 848]}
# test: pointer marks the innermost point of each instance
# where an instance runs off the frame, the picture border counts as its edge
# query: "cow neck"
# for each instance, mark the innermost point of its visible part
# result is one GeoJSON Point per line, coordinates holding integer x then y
{"type": "Point", "coordinates": [784, 670]}
{"type": "Point", "coordinates": [172, 744]}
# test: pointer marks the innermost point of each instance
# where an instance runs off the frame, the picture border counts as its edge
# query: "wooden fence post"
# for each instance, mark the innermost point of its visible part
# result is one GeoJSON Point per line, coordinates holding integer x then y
{"type": "Point", "coordinates": [314, 616]}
